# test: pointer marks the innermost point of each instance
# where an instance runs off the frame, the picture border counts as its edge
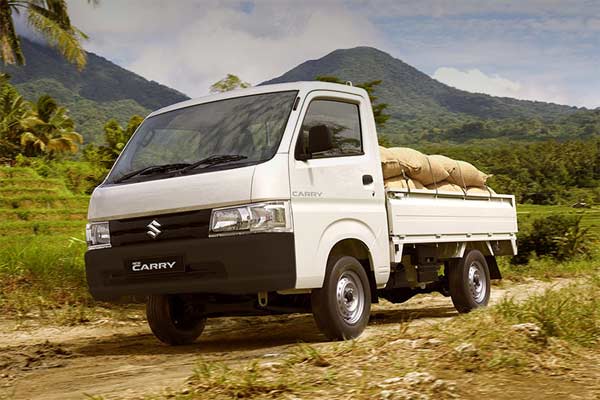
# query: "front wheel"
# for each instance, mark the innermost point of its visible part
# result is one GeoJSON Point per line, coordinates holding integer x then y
{"type": "Point", "coordinates": [469, 282]}
{"type": "Point", "coordinates": [171, 320]}
{"type": "Point", "coordinates": [341, 308]}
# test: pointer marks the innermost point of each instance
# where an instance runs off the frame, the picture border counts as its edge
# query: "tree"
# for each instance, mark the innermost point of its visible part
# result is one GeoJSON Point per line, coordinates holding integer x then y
{"type": "Point", "coordinates": [48, 18]}
{"type": "Point", "coordinates": [49, 130]}
{"type": "Point", "coordinates": [13, 111]}
{"type": "Point", "coordinates": [378, 109]}
{"type": "Point", "coordinates": [116, 137]}
{"type": "Point", "coordinates": [230, 82]}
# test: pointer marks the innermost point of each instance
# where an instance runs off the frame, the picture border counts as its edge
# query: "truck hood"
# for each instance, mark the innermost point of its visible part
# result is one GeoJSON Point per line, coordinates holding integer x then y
{"type": "Point", "coordinates": [163, 196]}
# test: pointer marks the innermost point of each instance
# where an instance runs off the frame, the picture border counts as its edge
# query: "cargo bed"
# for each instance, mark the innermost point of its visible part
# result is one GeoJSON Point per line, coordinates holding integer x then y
{"type": "Point", "coordinates": [428, 216]}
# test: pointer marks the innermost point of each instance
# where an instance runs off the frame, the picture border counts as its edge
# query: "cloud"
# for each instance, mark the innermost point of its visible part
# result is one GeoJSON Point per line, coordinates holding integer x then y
{"type": "Point", "coordinates": [537, 49]}
{"type": "Point", "coordinates": [444, 8]}
{"type": "Point", "coordinates": [191, 46]}
{"type": "Point", "coordinates": [474, 80]}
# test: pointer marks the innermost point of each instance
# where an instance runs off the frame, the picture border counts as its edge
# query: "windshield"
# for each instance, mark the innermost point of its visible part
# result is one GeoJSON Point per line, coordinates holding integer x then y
{"type": "Point", "coordinates": [222, 134]}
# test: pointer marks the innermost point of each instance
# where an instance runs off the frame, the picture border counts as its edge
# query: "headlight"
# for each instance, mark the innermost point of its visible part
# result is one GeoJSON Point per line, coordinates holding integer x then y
{"type": "Point", "coordinates": [97, 235]}
{"type": "Point", "coordinates": [273, 216]}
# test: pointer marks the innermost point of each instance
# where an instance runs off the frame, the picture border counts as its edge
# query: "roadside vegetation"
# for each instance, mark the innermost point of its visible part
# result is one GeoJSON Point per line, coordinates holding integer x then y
{"type": "Point", "coordinates": [534, 346]}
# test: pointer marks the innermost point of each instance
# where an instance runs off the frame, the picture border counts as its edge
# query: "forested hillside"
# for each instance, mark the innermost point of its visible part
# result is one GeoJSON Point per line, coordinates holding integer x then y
{"type": "Point", "coordinates": [102, 91]}
{"type": "Point", "coordinates": [422, 108]}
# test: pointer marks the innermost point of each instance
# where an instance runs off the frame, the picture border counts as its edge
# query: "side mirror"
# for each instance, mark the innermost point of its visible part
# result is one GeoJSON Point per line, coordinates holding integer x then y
{"type": "Point", "coordinates": [320, 139]}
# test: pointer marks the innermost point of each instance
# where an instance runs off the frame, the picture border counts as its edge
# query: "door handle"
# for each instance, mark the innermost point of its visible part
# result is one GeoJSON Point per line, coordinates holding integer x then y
{"type": "Point", "coordinates": [367, 179]}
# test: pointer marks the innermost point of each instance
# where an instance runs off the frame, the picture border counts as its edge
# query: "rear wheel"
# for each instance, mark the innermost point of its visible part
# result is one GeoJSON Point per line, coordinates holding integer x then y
{"type": "Point", "coordinates": [342, 306]}
{"type": "Point", "coordinates": [469, 282]}
{"type": "Point", "coordinates": [172, 321]}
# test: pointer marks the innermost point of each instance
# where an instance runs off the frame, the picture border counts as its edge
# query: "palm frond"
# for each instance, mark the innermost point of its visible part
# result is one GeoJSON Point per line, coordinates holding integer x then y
{"type": "Point", "coordinates": [29, 138]}
{"type": "Point", "coordinates": [30, 121]}
{"type": "Point", "coordinates": [65, 40]}
{"type": "Point", "coordinates": [62, 144]}
{"type": "Point", "coordinates": [74, 137]}
{"type": "Point", "coordinates": [45, 107]}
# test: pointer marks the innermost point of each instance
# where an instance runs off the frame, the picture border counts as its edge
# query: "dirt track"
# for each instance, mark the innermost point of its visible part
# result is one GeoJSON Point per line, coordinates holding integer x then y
{"type": "Point", "coordinates": [122, 358]}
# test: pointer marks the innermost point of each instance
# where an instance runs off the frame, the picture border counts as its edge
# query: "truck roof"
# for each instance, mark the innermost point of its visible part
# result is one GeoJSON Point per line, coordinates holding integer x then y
{"type": "Point", "coordinates": [301, 86]}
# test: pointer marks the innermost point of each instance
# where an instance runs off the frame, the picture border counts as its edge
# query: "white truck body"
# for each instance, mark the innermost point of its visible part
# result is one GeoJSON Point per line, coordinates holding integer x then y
{"type": "Point", "coordinates": [330, 202]}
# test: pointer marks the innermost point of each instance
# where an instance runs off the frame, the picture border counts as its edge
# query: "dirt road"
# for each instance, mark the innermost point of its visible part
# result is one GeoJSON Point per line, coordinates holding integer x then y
{"type": "Point", "coordinates": [122, 359]}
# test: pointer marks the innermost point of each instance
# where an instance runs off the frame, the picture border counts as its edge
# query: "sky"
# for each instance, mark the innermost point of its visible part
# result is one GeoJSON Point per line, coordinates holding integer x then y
{"type": "Point", "coordinates": [545, 50]}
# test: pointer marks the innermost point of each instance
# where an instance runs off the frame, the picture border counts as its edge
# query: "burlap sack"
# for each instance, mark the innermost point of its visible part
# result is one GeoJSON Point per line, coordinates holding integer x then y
{"type": "Point", "coordinates": [392, 166]}
{"type": "Point", "coordinates": [461, 173]}
{"type": "Point", "coordinates": [388, 164]}
{"type": "Point", "coordinates": [447, 163]}
{"type": "Point", "coordinates": [418, 166]}
{"type": "Point", "coordinates": [446, 186]}
{"type": "Point", "coordinates": [399, 182]}
{"type": "Point", "coordinates": [471, 175]}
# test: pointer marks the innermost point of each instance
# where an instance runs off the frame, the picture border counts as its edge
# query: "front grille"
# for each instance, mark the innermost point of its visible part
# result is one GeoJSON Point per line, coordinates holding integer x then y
{"type": "Point", "coordinates": [185, 225]}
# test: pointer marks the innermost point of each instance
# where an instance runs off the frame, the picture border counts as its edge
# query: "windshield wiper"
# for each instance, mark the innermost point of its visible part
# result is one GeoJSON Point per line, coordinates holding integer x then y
{"type": "Point", "coordinates": [213, 160]}
{"type": "Point", "coordinates": [152, 169]}
{"type": "Point", "coordinates": [182, 167]}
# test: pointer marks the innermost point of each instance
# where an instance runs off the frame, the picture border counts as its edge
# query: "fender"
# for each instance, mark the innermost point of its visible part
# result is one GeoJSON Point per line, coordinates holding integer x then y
{"type": "Point", "coordinates": [353, 229]}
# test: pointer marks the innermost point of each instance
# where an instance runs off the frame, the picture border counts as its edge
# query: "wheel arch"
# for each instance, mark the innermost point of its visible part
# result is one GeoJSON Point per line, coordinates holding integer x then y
{"type": "Point", "coordinates": [360, 241]}
{"type": "Point", "coordinates": [358, 249]}
{"type": "Point", "coordinates": [488, 253]}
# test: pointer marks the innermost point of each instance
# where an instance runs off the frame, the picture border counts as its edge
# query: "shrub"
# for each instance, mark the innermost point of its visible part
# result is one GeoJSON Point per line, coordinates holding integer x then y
{"type": "Point", "coordinates": [560, 237]}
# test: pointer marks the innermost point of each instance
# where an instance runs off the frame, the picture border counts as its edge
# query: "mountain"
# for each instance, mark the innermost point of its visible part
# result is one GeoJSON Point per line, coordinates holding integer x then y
{"type": "Point", "coordinates": [103, 90]}
{"type": "Point", "coordinates": [421, 108]}
{"type": "Point", "coordinates": [417, 102]}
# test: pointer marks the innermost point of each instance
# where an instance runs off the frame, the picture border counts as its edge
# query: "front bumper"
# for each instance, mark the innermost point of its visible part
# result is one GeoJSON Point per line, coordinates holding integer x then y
{"type": "Point", "coordinates": [241, 264]}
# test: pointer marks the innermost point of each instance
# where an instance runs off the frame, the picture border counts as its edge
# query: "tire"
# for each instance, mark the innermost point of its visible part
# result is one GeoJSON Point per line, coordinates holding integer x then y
{"type": "Point", "coordinates": [469, 282]}
{"type": "Point", "coordinates": [342, 307]}
{"type": "Point", "coordinates": [170, 322]}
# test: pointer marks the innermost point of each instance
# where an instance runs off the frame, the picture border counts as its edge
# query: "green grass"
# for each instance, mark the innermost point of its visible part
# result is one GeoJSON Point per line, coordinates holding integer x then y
{"type": "Point", "coordinates": [526, 213]}
{"type": "Point", "coordinates": [42, 214]}
{"type": "Point", "coordinates": [11, 191]}
{"type": "Point", "coordinates": [16, 228]}
{"type": "Point", "coordinates": [42, 227]}
{"type": "Point", "coordinates": [42, 183]}
{"type": "Point", "coordinates": [44, 201]}
{"type": "Point", "coordinates": [547, 268]}
{"type": "Point", "coordinates": [40, 272]}
{"type": "Point", "coordinates": [18, 172]}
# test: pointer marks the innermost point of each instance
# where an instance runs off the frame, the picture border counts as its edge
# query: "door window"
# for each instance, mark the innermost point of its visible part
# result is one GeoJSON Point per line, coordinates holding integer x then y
{"type": "Point", "coordinates": [338, 119]}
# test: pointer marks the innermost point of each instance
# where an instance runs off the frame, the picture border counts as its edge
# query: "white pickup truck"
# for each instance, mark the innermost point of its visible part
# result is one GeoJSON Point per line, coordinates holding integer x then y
{"type": "Point", "coordinates": [272, 200]}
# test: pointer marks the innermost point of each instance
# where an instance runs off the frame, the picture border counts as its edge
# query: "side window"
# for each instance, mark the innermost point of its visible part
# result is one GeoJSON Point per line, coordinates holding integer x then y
{"type": "Point", "coordinates": [333, 122]}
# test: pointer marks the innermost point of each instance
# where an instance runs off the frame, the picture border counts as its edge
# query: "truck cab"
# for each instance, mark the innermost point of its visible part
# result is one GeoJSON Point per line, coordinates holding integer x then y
{"type": "Point", "coordinates": [272, 200]}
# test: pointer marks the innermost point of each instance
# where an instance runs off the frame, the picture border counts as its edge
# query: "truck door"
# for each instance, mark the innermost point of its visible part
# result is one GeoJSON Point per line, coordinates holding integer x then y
{"type": "Point", "coordinates": [336, 184]}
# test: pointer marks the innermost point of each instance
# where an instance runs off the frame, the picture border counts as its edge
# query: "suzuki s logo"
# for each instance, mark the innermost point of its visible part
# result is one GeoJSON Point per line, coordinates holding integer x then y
{"type": "Point", "coordinates": [153, 230]}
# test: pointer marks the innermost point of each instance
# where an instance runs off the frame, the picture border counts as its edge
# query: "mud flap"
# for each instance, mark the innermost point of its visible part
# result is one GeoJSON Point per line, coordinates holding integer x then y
{"type": "Point", "coordinates": [493, 267]}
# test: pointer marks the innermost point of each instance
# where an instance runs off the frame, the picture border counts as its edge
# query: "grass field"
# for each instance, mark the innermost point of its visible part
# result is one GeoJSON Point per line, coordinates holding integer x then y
{"type": "Point", "coordinates": [42, 243]}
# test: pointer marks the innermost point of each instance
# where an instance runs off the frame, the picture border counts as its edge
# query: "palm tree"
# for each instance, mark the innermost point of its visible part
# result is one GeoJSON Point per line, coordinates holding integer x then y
{"type": "Point", "coordinates": [47, 17]}
{"type": "Point", "coordinates": [14, 110]}
{"type": "Point", "coordinates": [49, 129]}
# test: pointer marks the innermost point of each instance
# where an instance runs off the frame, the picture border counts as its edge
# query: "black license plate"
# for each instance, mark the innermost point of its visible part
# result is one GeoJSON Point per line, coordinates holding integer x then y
{"type": "Point", "coordinates": [155, 265]}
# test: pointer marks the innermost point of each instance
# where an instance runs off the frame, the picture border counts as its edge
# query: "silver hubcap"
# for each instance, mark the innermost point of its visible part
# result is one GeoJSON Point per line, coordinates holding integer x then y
{"type": "Point", "coordinates": [477, 282]}
{"type": "Point", "coordinates": [350, 297]}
